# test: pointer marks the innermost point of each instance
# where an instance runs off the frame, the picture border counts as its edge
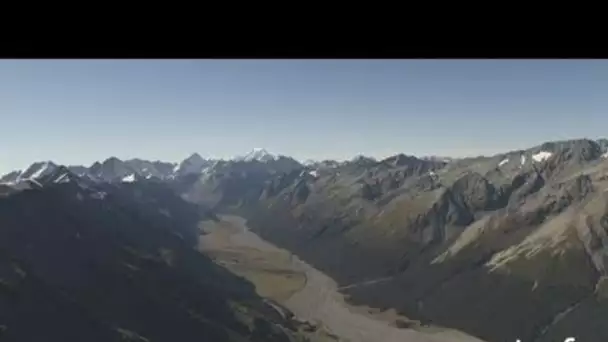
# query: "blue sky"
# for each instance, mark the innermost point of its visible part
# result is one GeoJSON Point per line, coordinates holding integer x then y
{"type": "Point", "coordinates": [79, 111]}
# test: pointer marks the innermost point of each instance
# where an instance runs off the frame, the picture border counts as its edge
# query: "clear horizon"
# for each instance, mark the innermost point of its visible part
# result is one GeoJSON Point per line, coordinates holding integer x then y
{"type": "Point", "coordinates": [76, 112]}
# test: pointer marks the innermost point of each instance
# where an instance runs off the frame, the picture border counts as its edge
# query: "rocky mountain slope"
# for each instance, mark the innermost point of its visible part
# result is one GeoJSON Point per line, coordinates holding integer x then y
{"type": "Point", "coordinates": [503, 247]}
{"type": "Point", "coordinates": [87, 261]}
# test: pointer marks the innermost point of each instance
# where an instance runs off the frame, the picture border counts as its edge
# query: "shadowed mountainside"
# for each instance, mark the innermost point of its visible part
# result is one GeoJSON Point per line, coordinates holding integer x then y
{"type": "Point", "coordinates": [117, 263]}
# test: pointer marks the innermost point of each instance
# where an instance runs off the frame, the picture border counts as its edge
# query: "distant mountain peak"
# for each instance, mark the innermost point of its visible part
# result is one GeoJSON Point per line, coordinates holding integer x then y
{"type": "Point", "coordinates": [38, 170]}
{"type": "Point", "coordinates": [192, 165]}
{"type": "Point", "coordinates": [10, 177]}
{"type": "Point", "coordinates": [259, 154]}
{"type": "Point", "coordinates": [112, 160]}
{"type": "Point", "coordinates": [195, 156]}
{"type": "Point", "coordinates": [360, 158]}
{"type": "Point", "coordinates": [61, 174]}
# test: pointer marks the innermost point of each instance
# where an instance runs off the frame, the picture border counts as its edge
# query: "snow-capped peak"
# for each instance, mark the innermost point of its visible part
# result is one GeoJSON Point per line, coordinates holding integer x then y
{"type": "Point", "coordinates": [37, 170]}
{"type": "Point", "coordinates": [41, 170]}
{"type": "Point", "coordinates": [258, 154]}
{"type": "Point", "coordinates": [129, 179]}
{"type": "Point", "coordinates": [191, 165]}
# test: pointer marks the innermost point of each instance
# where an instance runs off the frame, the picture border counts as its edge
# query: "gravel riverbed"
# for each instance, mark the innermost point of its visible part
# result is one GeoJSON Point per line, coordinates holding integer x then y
{"type": "Point", "coordinates": [320, 301]}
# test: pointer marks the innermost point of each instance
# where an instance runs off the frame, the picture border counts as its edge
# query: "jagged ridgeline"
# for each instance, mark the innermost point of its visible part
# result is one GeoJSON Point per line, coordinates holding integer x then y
{"type": "Point", "coordinates": [87, 261]}
{"type": "Point", "coordinates": [503, 247]}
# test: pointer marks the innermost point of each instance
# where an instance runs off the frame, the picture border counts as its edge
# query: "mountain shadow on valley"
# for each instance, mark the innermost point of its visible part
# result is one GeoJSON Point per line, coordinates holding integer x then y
{"type": "Point", "coordinates": [118, 263]}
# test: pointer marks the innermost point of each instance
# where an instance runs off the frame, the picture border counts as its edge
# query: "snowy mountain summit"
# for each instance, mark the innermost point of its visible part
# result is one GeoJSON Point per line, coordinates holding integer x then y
{"type": "Point", "coordinates": [258, 154]}
{"type": "Point", "coordinates": [191, 165]}
{"type": "Point", "coordinates": [34, 171]}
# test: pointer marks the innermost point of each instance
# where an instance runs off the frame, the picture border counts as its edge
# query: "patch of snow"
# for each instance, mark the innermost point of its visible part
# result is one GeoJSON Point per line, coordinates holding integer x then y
{"type": "Point", "coordinates": [432, 173]}
{"type": "Point", "coordinates": [63, 179]}
{"type": "Point", "coordinates": [35, 182]}
{"type": "Point", "coordinates": [503, 162]}
{"type": "Point", "coordinates": [314, 173]}
{"type": "Point", "coordinates": [605, 155]}
{"type": "Point", "coordinates": [523, 159]}
{"type": "Point", "coordinates": [129, 179]}
{"type": "Point", "coordinates": [40, 171]}
{"type": "Point", "coordinates": [176, 168]}
{"type": "Point", "coordinates": [541, 156]}
{"type": "Point", "coordinates": [148, 176]}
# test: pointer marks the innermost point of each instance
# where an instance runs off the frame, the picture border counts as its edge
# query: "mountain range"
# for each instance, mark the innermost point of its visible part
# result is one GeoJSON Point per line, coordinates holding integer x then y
{"type": "Point", "coordinates": [89, 261]}
{"type": "Point", "coordinates": [504, 247]}
{"type": "Point", "coordinates": [114, 169]}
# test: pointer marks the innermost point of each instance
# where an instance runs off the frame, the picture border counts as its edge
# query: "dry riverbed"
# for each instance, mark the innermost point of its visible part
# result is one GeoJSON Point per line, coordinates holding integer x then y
{"type": "Point", "coordinates": [308, 293]}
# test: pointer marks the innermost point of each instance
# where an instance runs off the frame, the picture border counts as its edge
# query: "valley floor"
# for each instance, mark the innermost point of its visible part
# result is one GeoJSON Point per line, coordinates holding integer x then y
{"type": "Point", "coordinates": [311, 295]}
